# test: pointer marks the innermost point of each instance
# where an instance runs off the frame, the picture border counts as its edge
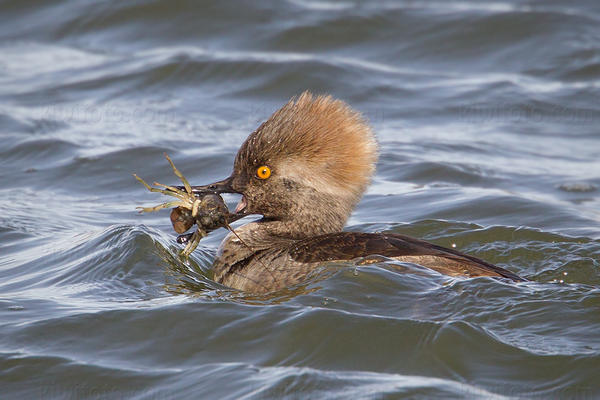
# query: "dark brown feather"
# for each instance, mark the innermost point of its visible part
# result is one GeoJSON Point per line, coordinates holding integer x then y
{"type": "Point", "coordinates": [344, 246]}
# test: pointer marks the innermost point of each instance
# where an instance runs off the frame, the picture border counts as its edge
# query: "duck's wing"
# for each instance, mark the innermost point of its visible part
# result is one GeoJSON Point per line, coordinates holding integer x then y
{"type": "Point", "coordinates": [344, 246]}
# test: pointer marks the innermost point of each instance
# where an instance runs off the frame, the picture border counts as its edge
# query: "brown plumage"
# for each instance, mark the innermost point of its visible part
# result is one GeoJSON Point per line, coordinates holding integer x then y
{"type": "Point", "coordinates": [317, 141]}
{"type": "Point", "coordinates": [320, 155]}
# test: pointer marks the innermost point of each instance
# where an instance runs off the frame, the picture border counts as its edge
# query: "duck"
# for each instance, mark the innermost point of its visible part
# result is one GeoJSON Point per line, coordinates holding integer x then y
{"type": "Point", "coordinates": [303, 171]}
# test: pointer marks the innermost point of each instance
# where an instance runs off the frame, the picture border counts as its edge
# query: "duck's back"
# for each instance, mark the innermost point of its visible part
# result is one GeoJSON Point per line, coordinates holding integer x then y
{"type": "Point", "coordinates": [351, 245]}
{"type": "Point", "coordinates": [286, 264]}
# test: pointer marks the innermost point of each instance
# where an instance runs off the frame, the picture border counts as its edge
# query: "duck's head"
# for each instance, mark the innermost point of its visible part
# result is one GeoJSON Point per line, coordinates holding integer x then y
{"type": "Point", "coordinates": [306, 166]}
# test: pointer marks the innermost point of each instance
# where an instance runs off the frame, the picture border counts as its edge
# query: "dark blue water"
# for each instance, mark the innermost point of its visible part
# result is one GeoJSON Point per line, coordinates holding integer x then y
{"type": "Point", "coordinates": [488, 118]}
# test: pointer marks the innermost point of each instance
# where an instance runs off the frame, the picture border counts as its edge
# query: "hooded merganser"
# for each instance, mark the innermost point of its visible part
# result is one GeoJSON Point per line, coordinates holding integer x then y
{"type": "Point", "coordinates": [304, 170]}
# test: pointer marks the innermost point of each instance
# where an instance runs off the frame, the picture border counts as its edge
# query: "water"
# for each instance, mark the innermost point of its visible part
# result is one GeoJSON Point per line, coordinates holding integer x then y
{"type": "Point", "coordinates": [488, 117]}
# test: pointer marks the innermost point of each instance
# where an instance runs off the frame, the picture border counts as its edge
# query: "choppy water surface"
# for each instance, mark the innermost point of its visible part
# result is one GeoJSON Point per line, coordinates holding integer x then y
{"type": "Point", "coordinates": [488, 116]}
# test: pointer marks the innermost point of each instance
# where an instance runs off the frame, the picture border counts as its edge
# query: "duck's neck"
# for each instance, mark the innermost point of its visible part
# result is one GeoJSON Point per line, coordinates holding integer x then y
{"type": "Point", "coordinates": [300, 223]}
{"type": "Point", "coordinates": [308, 219]}
{"type": "Point", "coordinates": [268, 233]}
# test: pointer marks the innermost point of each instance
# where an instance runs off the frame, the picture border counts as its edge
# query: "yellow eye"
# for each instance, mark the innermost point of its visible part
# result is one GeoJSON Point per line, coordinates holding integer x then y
{"type": "Point", "coordinates": [263, 172]}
